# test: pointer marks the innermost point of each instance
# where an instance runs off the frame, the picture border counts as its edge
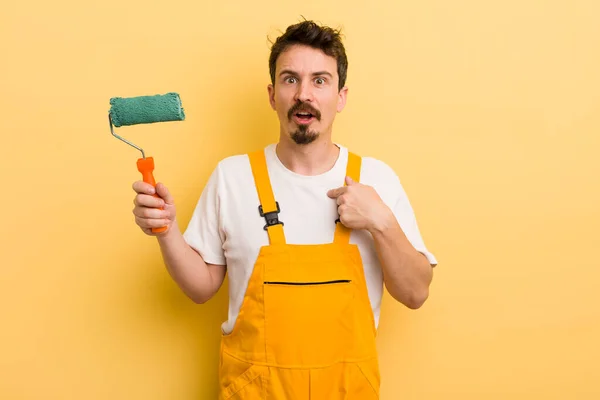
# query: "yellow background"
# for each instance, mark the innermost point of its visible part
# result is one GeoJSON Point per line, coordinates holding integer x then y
{"type": "Point", "coordinates": [488, 111]}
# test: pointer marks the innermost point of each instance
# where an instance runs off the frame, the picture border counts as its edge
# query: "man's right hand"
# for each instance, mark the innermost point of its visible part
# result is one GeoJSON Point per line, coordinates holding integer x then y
{"type": "Point", "coordinates": [147, 210]}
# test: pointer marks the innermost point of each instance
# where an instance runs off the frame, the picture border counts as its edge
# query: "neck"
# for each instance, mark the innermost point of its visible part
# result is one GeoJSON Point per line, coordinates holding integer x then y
{"type": "Point", "coordinates": [315, 158]}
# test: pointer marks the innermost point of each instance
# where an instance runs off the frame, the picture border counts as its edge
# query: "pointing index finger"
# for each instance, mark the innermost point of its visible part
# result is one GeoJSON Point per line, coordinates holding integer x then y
{"type": "Point", "coordinates": [333, 193]}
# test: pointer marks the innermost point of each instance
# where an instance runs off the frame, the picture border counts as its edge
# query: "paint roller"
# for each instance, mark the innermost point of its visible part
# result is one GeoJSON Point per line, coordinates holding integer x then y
{"type": "Point", "coordinates": [145, 110]}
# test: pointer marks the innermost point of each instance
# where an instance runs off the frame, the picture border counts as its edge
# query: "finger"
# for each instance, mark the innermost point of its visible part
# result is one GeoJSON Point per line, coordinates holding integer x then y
{"type": "Point", "coordinates": [350, 181]}
{"type": "Point", "coordinates": [164, 193]}
{"type": "Point", "coordinates": [342, 213]}
{"type": "Point", "coordinates": [150, 223]}
{"type": "Point", "coordinates": [144, 200]}
{"type": "Point", "coordinates": [150, 213]}
{"type": "Point", "coordinates": [142, 187]}
{"type": "Point", "coordinates": [341, 200]}
{"type": "Point", "coordinates": [333, 193]}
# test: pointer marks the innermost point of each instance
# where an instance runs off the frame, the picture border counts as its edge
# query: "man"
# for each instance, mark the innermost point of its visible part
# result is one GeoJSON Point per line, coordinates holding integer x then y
{"type": "Point", "coordinates": [308, 232]}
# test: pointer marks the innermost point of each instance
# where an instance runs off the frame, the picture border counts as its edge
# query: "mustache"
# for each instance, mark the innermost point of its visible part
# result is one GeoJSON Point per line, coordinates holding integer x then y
{"type": "Point", "coordinates": [304, 107]}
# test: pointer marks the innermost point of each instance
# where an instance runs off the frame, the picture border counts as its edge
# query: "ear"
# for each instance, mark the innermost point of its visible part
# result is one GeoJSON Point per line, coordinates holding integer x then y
{"type": "Point", "coordinates": [342, 95]}
{"type": "Point", "coordinates": [271, 91]}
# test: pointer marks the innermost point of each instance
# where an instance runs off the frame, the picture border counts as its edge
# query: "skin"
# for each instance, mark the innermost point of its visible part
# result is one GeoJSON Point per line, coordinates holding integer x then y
{"type": "Point", "coordinates": [306, 79]}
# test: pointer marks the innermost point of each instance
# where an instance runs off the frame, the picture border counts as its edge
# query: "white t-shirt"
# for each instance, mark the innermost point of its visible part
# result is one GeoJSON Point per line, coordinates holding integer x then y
{"type": "Point", "coordinates": [227, 229]}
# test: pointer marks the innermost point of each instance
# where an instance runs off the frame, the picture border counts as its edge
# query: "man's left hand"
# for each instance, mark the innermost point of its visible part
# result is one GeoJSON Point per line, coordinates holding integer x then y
{"type": "Point", "coordinates": [360, 207]}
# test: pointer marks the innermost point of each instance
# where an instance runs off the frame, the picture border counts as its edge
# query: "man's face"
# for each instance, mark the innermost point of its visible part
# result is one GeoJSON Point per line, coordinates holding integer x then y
{"type": "Point", "coordinates": [305, 94]}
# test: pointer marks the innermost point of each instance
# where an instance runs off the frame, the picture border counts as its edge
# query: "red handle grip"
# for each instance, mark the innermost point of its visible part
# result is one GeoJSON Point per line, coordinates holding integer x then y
{"type": "Point", "coordinates": [146, 166]}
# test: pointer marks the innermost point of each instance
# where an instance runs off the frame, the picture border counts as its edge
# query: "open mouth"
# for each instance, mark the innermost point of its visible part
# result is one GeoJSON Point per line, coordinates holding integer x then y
{"type": "Point", "coordinates": [303, 117]}
{"type": "Point", "coordinates": [303, 114]}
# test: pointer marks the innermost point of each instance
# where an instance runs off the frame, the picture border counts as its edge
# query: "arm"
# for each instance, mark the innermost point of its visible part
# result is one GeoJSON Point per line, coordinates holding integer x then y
{"type": "Point", "coordinates": [198, 280]}
{"type": "Point", "coordinates": [407, 273]}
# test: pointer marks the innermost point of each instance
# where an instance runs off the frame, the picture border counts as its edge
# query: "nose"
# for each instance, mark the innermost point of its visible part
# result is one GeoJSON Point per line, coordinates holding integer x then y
{"type": "Point", "coordinates": [304, 92]}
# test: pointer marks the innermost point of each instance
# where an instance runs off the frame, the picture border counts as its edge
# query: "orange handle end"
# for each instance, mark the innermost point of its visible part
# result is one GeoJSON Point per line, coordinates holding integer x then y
{"type": "Point", "coordinates": [146, 166]}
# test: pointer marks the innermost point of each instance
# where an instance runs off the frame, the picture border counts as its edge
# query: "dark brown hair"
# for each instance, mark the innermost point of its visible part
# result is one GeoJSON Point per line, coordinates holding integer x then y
{"type": "Point", "coordinates": [308, 33]}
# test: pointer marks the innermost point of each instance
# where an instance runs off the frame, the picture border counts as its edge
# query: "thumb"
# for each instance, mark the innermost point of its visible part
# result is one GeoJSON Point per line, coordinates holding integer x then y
{"type": "Point", "coordinates": [349, 181]}
{"type": "Point", "coordinates": [164, 193]}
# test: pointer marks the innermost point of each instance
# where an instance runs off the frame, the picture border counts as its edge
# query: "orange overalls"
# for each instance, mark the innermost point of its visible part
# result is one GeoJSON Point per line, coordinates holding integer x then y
{"type": "Point", "coordinates": [305, 329]}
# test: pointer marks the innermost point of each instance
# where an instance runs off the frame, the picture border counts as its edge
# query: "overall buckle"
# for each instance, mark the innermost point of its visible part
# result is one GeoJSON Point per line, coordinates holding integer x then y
{"type": "Point", "coordinates": [270, 217]}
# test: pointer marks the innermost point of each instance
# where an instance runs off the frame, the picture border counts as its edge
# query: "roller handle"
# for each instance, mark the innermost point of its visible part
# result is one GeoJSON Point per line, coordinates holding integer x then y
{"type": "Point", "coordinates": [146, 166]}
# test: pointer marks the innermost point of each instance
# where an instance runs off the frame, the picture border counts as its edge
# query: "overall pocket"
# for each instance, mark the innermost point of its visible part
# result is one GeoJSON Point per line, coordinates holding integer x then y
{"type": "Point", "coordinates": [308, 323]}
{"type": "Point", "coordinates": [241, 380]}
{"type": "Point", "coordinates": [367, 379]}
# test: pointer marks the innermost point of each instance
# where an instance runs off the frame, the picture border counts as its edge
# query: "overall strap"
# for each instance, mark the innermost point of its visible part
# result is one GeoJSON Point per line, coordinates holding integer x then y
{"type": "Point", "coordinates": [342, 234]}
{"type": "Point", "coordinates": [268, 207]}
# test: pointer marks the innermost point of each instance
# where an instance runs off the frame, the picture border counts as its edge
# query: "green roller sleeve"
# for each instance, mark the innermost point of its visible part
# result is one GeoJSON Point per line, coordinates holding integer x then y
{"type": "Point", "coordinates": [146, 109]}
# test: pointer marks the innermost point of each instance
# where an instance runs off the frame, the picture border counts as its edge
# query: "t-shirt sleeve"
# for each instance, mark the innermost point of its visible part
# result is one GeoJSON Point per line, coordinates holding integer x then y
{"type": "Point", "coordinates": [204, 232]}
{"type": "Point", "coordinates": [405, 215]}
{"type": "Point", "coordinates": [406, 218]}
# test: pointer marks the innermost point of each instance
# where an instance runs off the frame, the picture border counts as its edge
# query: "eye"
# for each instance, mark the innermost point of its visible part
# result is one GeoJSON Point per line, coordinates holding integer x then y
{"type": "Point", "coordinates": [320, 81]}
{"type": "Point", "coordinates": [290, 79]}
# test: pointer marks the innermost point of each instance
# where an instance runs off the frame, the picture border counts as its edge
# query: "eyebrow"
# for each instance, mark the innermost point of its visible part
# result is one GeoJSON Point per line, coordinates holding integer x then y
{"type": "Point", "coordinates": [289, 71]}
